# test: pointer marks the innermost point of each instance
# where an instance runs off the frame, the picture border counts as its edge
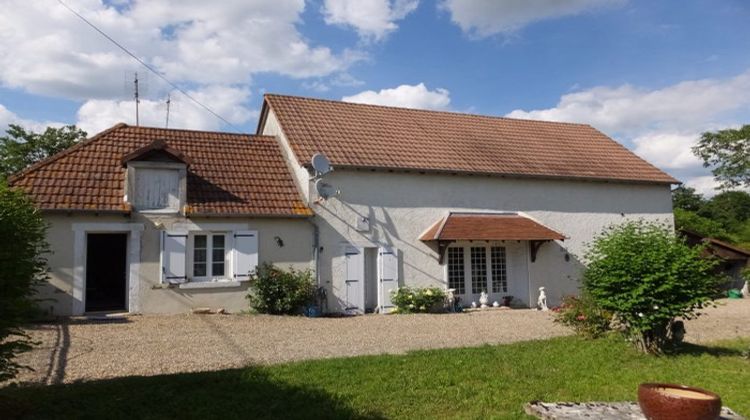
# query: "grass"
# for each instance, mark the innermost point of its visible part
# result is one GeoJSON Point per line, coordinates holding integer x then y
{"type": "Point", "coordinates": [481, 382]}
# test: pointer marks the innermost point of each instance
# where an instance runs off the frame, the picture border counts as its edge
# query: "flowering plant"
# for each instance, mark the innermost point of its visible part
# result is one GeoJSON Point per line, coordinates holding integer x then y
{"type": "Point", "coordinates": [583, 315]}
{"type": "Point", "coordinates": [415, 299]}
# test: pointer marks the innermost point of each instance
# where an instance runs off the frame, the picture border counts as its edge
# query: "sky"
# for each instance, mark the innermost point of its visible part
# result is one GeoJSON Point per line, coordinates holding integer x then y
{"type": "Point", "coordinates": [653, 75]}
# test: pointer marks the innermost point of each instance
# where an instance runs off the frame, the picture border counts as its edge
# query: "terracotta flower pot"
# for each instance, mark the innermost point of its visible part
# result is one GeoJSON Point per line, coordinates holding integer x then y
{"type": "Point", "coordinates": [670, 401]}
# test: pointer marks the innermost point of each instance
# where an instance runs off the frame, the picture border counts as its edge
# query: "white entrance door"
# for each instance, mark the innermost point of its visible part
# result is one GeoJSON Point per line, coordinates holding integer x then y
{"type": "Point", "coordinates": [387, 277]}
{"type": "Point", "coordinates": [518, 273]}
{"type": "Point", "coordinates": [354, 280]}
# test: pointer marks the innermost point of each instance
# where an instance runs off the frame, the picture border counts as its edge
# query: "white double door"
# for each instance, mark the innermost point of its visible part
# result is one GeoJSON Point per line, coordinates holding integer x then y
{"type": "Point", "coordinates": [370, 274]}
{"type": "Point", "coordinates": [499, 269]}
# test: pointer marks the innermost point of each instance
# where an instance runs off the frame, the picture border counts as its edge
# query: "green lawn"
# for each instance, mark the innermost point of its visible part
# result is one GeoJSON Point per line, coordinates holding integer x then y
{"type": "Point", "coordinates": [483, 382]}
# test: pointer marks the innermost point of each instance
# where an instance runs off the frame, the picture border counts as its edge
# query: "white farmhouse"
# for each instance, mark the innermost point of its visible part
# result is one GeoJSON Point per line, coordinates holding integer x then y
{"type": "Point", "coordinates": [416, 198]}
{"type": "Point", "coordinates": [468, 202]}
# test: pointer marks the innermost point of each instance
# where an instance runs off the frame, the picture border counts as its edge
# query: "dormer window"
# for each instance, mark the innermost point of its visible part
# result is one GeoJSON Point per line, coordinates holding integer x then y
{"type": "Point", "coordinates": [156, 189]}
{"type": "Point", "coordinates": [156, 178]}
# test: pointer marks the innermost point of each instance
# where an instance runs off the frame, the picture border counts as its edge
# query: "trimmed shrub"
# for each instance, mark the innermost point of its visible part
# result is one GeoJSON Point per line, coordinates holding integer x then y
{"type": "Point", "coordinates": [584, 316]}
{"type": "Point", "coordinates": [278, 292]}
{"type": "Point", "coordinates": [22, 268]}
{"type": "Point", "coordinates": [647, 277]}
{"type": "Point", "coordinates": [414, 299]}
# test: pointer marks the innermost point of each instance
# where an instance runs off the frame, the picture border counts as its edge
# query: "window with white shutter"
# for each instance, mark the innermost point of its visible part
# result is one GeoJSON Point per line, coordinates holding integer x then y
{"type": "Point", "coordinates": [245, 256]}
{"type": "Point", "coordinates": [202, 256]}
{"type": "Point", "coordinates": [209, 256]}
{"type": "Point", "coordinates": [174, 247]}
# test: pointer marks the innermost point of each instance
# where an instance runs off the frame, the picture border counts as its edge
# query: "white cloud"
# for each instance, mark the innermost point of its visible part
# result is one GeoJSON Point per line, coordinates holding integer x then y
{"type": "Point", "coordinates": [8, 117]}
{"type": "Point", "coordinates": [668, 150]}
{"type": "Point", "coordinates": [705, 185]}
{"type": "Point", "coordinates": [660, 125]}
{"type": "Point", "coordinates": [626, 109]}
{"type": "Point", "coordinates": [407, 96]}
{"type": "Point", "coordinates": [45, 49]}
{"type": "Point", "coordinates": [339, 80]}
{"type": "Point", "coordinates": [373, 19]}
{"type": "Point", "coordinates": [98, 114]}
{"type": "Point", "coordinates": [488, 17]}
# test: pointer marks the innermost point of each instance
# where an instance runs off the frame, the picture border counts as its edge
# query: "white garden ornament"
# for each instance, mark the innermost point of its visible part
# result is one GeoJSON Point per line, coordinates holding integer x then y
{"type": "Point", "coordinates": [541, 303]}
{"type": "Point", "coordinates": [484, 299]}
{"type": "Point", "coordinates": [746, 290]}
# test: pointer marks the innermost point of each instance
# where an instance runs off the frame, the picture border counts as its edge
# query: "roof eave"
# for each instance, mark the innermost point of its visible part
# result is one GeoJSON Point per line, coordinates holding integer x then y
{"type": "Point", "coordinates": [85, 211]}
{"type": "Point", "coordinates": [339, 166]}
{"type": "Point", "coordinates": [252, 215]}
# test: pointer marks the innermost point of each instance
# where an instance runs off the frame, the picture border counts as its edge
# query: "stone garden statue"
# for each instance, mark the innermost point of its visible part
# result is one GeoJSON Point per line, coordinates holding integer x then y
{"type": "Point", "coordinates": [541, 303]}
{"type": "Point", "coordinates": [450, 296]}
{"type": "Point", "coordinates": [484, 299]}
{"type": "Point", "coordinates": [746, 290]}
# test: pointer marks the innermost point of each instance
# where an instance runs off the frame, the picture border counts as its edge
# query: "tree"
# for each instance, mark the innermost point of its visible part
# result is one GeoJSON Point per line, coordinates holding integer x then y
{"type": "Point", "coordinates": [730, 208]}
{"type": "Point", "coordinates": [686, 198]}
{"type": "Point", "coordinates": [728, 152]}
{"type": "Point", "coordinates": [647, 277]}
{"type": "Point", "coordinates": [20, 148]}
{"type": "Point", "coordinates": [22, 268]}
{"type": "Point", "coordinates": [703, 226]}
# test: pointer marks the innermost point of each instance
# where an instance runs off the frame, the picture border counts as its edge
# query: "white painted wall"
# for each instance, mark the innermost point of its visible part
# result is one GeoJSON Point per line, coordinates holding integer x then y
{"type": "Point", "coordinates": [296, 252]}
{"type": "Point", "coordinates": [401, 206]}
{"type": "Point", "coordinates": [271, 128]}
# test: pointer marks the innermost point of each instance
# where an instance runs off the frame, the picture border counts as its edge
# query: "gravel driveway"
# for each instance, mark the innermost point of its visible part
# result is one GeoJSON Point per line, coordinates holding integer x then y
{"type": "Point", "coordinates": [150, 345]}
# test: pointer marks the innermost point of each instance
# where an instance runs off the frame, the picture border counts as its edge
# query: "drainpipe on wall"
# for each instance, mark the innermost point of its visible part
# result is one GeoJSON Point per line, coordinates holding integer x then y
{"type": "Point", "coordinates": [316, 258]}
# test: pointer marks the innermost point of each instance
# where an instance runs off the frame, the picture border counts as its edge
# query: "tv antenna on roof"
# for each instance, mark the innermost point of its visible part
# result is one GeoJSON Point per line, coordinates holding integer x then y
{"type": "Point", "coordinates": [169, 102]}
{"type": "Point", "coordinates": [137, 100]}
{"type": "Point", "coordinates": [322, 166]}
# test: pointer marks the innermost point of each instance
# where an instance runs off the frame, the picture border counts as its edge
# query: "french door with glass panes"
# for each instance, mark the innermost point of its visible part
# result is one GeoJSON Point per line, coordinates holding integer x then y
{"type": "Point", "coordinates": [474, 268]}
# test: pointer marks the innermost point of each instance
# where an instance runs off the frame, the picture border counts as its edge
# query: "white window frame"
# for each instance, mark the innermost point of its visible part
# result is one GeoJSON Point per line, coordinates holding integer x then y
{"type": "Point", "coordinates": [209, 277]}
{"type": "Point", "coordinates": [468, 283]}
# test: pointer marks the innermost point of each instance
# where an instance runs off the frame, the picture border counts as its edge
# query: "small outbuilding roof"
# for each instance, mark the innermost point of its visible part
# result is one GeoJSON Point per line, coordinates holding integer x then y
{"type": "Point", "coordinates": [717, 248]}
{"type": "Point", "coordinates": [381, 137]}
{"type": "Point", "coordinates": [489, 227]}
{"type": "Point", "coordinates": [228, 174]}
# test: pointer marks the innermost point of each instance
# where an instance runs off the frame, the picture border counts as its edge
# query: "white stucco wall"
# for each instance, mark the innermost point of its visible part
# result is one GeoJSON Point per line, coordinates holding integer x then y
{"type": "Point", "coordinates": [401, 206]}
{"type": "Point", "coordinates": [296, 235]}
{"type": "Point", "coordinates": [271, 128]}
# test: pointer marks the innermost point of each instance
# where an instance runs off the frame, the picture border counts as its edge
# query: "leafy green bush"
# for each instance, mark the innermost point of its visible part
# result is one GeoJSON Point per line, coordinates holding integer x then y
{"type": "Point", "coordinates": [415, 299]}
{"type": "Point", "coordinates": [278, 292]}
{"type": "Point", "coordinates": [647, 276]}
{"type": "Point", "coordinates": [22, 268]}
{"type": "Point", "coordinates": [584, 316]}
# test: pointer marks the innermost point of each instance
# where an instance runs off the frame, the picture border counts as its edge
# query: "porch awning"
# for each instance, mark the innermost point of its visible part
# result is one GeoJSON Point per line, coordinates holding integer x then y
{"type": "Point", "coordinates": [488, 227]}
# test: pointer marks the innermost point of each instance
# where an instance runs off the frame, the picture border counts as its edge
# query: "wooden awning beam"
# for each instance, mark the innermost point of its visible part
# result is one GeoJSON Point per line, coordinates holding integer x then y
{"type": "Point", "coordinates": [442, 248]}
{"type": "Point", "coordinates": [534, 248]}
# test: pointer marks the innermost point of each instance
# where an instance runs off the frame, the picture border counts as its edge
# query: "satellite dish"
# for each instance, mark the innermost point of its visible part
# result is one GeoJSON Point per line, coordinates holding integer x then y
{"type": "Point", "coordinates": [325, 190]}
{"type": "Point", "coordinates": [321, 164]}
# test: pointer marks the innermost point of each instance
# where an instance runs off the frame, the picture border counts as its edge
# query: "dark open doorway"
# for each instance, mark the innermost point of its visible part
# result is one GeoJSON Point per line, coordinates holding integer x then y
{"type": "Point", "coordinates": [106, 268]}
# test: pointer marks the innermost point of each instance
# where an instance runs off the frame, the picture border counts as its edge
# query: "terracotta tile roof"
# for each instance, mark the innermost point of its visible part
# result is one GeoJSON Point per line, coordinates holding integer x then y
{"type": "Point", "coordinates": [488, 227]}
{"type": "Point", "coordinates": [371, 136]}
{"type": "Point", "coordinates": [229, 174]}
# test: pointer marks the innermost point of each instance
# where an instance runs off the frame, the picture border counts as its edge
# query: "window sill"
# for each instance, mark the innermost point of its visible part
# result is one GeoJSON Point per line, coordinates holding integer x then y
{"type": "Point", "coordinates": [210, 284]}
{"type": "Point", "coordinates": [159, 211]}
